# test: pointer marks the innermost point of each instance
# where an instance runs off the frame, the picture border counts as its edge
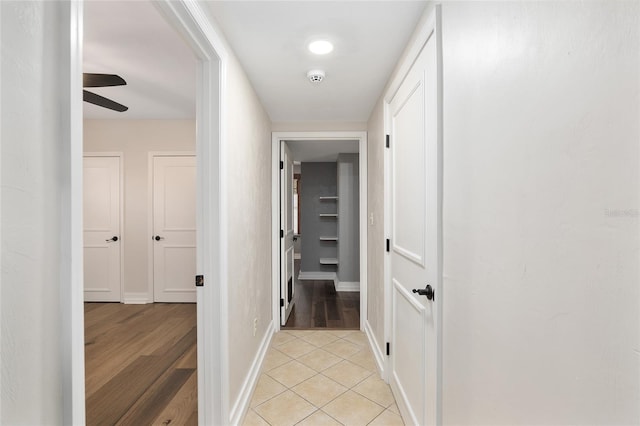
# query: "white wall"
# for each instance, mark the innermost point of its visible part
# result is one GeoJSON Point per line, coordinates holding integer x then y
{"type": "Point", "coordinates": [248, 165]}
{"type": "Point", "coordinates": [33, 138]}
{"type": "Point", "coordinates": [541, 295]}
{"type": "Point", "coordinates": [375, 231]}
{"type": "Point", "coordinates": [135, 139]}
{"type": "Point", "coordinates": [541, 223]}
{"type": "Point", "coordinates": [319, 126]}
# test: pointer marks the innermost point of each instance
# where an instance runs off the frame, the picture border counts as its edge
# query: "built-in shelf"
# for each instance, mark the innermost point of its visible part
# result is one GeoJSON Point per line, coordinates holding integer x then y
{"type": "Point", "coordinates": [328, 261]}
{"type": "Point", "coordinates": [328, 238]}
{"type": "Point", "coordinates": [329, 198]}
{"type": "Point", "coordinates": [328, 214]}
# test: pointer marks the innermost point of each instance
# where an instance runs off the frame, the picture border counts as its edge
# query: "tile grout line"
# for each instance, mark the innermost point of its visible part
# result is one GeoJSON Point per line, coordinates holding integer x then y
{"type": "Point", "coordinates": [299, 339]}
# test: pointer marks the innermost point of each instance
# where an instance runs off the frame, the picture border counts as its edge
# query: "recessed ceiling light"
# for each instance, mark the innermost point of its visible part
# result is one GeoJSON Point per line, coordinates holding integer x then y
{"type": "Point", "coordinates": [320, 47]}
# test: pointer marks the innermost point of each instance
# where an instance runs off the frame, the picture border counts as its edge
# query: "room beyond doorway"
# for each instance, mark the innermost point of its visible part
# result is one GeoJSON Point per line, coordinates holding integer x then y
{"type": "Point", "coordinates": [319, 306]}
{"type": "Point", "coordinates": [328, 281]}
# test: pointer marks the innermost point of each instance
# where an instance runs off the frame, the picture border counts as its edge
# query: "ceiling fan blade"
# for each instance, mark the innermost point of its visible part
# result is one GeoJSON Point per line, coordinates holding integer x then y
{"type": "Point", "coordinates": [92, 98]}
{"type": "Point", "coordinates": [101, 80]}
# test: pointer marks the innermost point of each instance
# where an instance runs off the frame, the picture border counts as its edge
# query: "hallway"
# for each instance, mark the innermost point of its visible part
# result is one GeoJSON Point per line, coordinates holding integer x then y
{"type": "Point", "coordinates": [321, 378]}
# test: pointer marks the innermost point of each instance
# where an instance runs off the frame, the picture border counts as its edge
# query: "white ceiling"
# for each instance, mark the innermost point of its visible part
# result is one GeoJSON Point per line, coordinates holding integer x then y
{"type": "Point", "coordinates": [132, 39]}
{"type": "Point", "coordinates": [270, 38]}
{"type": "Point", "coordinates": [321, 150]}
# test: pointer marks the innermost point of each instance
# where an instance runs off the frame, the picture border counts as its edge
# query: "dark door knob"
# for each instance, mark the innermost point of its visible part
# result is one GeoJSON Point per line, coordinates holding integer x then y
{"type": "Point", "coordinates": [114, 238]}
{"type": "Point", "coordinates": [427, 291]}
{"type": "Point", "coordinates": [158, 238]}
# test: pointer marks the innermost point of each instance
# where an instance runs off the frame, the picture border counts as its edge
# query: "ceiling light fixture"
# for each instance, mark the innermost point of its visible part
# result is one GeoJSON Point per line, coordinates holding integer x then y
{"type": "Point", "coordinates": [320, 47]}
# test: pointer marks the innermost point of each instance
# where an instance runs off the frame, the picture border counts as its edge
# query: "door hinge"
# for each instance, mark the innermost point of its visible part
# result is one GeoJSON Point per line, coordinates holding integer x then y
{"type": "Point", "coordinates": [387, 141]}
{"type": "Point", "coordinates": [199, 280]}
{"type": "Point", "coordinates": [388, 348]}
{"type": "Point", "coordinates": [281, 303]}
{"type": "Point", "coordinates": [388, 244]}
{"type": "Point", "coordinates": [281, 165]}
{"type": "Point", "coordinates": [281, 233]}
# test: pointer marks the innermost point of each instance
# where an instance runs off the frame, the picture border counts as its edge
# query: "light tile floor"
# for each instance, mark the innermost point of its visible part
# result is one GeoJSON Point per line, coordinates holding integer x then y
{"type": "Point", "coordinates": [320, 378]}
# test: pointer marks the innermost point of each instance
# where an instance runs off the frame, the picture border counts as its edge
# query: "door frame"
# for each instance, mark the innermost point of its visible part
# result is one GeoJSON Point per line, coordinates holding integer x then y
{"type": "Point", "coordinates": [192, 22]}
{"type": "Point", "coordinates": [314, 137]}
{"type": "Point", "coordinates": [120, 156]}
{"type": "Point", "coordinates": [150, 246]}
{"type": "Point", "coordinates": [431, 23]}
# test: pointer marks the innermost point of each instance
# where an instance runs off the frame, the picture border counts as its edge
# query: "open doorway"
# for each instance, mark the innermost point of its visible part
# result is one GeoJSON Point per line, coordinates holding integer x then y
{"type": "Point", "coordinates": [323, 285]}
{"type": "Point", "coordinates": [212, 336]}
{"type": "Point", "coordinates": [139, 203]}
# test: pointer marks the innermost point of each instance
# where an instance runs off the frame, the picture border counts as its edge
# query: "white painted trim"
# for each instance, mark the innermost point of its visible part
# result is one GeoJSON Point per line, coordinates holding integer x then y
{"type": "Point", "coordinates": [275, 231]}
{"type": "Point", "coordinates": [401, 402]}
{"type": "Point", "coordinates": [376, 349]}
{"type": "Point", "coordinates": [136, 299]}
{"type": "Point", "coordinates": [241, 405]}
{"type": "Point", "coordinates": [387, 232]}
{"type": "Point", "coordinates": [347, 286]}
{"type": "Point", "coordinates": [189, 19]}
{"type": "Point", "coordinates": [150, 246]}
{"type": "Point", "coordinates": [316, 276]}
{"type": "Point", "coordinates": [423, 30]}
{"type": "Point", "coordinates": [1, 328]}
{"type": "Point", "coordinates": [71, 226]}
{"type": "Point", "coordinates": [330, 276]}
{"type": "Point", "coordinates": [199, 32]}
{"type": "Point", "coordinates": [276, 138]}
{"type": "Point", "coordinates": [430, 24]}
{"type": "Point", "coordinates": [120, 156]}
{"type": "Point", "coordinates": [364, 230]}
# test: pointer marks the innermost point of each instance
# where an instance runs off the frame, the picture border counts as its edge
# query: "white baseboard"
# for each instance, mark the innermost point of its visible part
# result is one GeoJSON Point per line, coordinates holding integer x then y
{"type": "Point", "coordinates": [317, 276]}
{"type": "Point", "coordinates": [376, 349]}
{"type": "Point", "coordinates": [347, 285]}
{"type": "Point", "coordinates": [136, 299]}
{"type": "Point", "coordinates": [329, 276]}
{"type": "Point", "coordinates": [240, 407]}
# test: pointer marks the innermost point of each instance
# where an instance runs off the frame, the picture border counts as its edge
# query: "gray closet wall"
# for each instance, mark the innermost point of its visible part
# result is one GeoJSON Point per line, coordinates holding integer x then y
{"type": "Point", "coordinates": [318, 180]}
{"type": "Point", "coordinates": [348, 218]}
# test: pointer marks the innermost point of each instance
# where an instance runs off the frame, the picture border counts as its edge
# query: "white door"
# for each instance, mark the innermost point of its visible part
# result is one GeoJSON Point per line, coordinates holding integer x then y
{"type": "Point", "coordinates": [287, 256]}
{"type": "Point", "coordinates": [174, 228]}
{"type": "Point", "coordinates": [415, 240]}
{"type": "Point", "coordinates": [102, 273]}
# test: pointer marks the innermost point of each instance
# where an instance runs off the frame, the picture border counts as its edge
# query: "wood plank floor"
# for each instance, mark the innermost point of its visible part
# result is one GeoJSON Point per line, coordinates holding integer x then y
{"type": "Point", "coordinates": [319, 306]}
{"type": "Point", "coordinates": [140, 364]}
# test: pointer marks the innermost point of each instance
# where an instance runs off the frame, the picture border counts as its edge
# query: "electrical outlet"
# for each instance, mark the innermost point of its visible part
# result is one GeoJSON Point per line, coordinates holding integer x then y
{"type": "Point", "coordinates": [255, 326]}
{"type": "Point", "coordinates": [371, 219]}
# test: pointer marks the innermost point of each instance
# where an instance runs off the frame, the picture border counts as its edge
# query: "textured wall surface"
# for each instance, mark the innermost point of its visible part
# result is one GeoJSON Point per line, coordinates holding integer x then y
{"type": "Point", "coordinates": [31, 163]}
{"type": "Point", "coordinates": [541, 225]}
{"type": "Point", "coordinates": [249, 206]}
{"type": "Point", "coordinates": [375, 230]}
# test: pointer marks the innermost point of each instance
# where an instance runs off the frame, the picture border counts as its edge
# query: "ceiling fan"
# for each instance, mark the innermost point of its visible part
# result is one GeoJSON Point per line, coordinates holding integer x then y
{"type": "Point", "coordinates": [102, 80]}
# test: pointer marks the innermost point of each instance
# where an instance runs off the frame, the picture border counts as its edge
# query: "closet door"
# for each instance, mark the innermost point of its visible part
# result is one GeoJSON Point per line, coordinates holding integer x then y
{"type": "Point", "coordinates": [102, 241]}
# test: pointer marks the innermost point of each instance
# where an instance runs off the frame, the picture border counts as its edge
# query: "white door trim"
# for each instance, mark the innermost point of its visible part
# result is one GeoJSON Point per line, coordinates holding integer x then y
{"type": "Point", "coordinates": [192, 22]}
{"type": "Point", "coordinates": [432, 24]}
{"type": "Point", "coordinates": [71, 229]}
{"type": "Point", "coordinates": [150, 246]}
{"type": "Point", "coordinates": [120, 156]}
{"type": "Point", "coordinates": [276, 139]}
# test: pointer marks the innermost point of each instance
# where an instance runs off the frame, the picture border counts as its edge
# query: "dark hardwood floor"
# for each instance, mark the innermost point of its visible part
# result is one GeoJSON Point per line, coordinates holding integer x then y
{"type": "Point", "coordinates": [140, 364]}
{"type": "Point", "coordinates": [318, 306]}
